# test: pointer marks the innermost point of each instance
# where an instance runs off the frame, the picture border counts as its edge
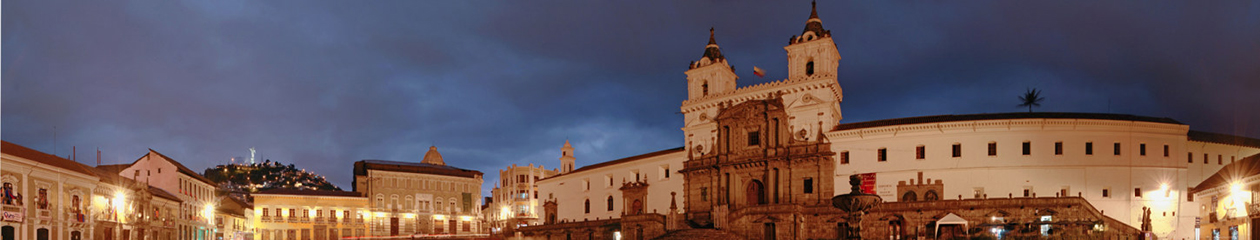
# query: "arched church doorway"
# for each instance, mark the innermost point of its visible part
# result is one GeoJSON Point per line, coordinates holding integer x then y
{"type": "Point", "coordinates": [756, 193]}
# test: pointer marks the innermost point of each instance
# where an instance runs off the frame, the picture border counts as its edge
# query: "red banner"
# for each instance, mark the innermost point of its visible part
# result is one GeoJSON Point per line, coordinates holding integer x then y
{"type": "Point", "coordinates": [868, 182]}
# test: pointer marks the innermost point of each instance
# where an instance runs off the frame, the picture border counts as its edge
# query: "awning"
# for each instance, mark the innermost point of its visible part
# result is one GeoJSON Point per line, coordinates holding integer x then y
{"type": "Point", "coordinates": [952, 219]}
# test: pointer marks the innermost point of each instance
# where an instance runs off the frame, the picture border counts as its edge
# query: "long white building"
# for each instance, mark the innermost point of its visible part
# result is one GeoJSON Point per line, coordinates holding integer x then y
{"type": "Point", "coordinates": [784, 143]}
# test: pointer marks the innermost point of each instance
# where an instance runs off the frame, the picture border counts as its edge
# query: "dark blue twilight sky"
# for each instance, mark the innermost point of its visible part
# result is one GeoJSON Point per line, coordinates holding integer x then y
{"type": "Point", "coordinates": [325, 83]}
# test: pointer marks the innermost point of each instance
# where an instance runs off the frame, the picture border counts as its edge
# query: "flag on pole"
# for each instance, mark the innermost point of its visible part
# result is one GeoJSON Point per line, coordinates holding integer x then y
{"type": "Point", "coordinates": [759, 72]}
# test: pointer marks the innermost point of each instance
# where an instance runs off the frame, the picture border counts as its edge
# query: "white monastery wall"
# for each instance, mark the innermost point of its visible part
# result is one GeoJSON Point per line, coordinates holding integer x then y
{"type": "Point", "coordinates": [1042, 172]}
{"type": "Point", "coordinates": [570, 191]}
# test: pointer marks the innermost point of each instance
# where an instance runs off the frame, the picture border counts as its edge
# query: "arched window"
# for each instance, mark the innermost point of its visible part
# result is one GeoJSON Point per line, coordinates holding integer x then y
{"type": "Point", "coordinates": [588, 206]}
{"type": "Point", "coordinates": [910, 196]}
{"type": "Point", "coordinates": [704, 89]}
{"type": "Point", "coordinates": [931, 195]}
{"type": "Point", "coordinates": [409, 203]}
{"type": "Point", "coordinates": [809, 68]}
{"type": "Point", "coordinates": [393, 202]}
{"type": "Point", "coordinates": [610, 203]}
{"type": "Point", "coordinates": [380, 200]}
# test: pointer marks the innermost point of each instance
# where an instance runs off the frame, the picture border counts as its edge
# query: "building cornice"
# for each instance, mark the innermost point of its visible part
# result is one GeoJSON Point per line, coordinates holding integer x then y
{"type": "Point", "coordinates": [763, 91]}
{"type": "Point", "coordinates": [1009, 124]}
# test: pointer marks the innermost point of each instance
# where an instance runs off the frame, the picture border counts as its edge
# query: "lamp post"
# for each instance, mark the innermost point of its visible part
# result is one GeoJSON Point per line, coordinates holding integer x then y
{"type": "Point", "coordinates": [855, 203]}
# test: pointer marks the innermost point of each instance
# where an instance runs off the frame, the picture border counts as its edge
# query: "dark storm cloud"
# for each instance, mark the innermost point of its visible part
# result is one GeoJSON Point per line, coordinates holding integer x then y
{"type": "Point", "coordinates": [493, 84]}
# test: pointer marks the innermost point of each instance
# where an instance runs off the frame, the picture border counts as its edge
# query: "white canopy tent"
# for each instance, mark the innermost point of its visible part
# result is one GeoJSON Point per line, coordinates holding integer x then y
{"type": "Point", "coordinates": [952, 219]}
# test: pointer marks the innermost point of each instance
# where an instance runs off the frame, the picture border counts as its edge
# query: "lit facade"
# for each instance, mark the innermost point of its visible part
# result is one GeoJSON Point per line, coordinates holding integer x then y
{"type": "Point", "coordinates": [778, 150]}
{"type": "Point", "coordinates": [127, 209]}
{"type": "Point", "coordinates": [44, 196]}
{"type": "Point", "coordinates": [309, 214]}
{"type": "Point", "coordinates": [198, 195]}
{"type": "Point", "coordinates": [515, 198]}
{"type": "Point", "coordinates": [1227, 202]}
{"type": "Point", "coordinates": [428, 197]}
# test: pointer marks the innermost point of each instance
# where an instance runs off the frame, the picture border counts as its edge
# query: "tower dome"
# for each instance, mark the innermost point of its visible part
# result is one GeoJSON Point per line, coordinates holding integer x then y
{"type": "Point", "coordinates": [813, 27]}
{"type": "Point", "coordinates": [433, 157]}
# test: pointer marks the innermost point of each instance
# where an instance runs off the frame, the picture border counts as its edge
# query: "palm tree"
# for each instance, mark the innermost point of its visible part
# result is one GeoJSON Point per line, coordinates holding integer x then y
{"type": "Point", "coordinates": [1031, 98]}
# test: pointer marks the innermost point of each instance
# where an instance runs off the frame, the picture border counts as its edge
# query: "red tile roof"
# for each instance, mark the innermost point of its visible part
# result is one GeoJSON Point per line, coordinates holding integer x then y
{"type": "Point", "coordinates": [1000, 116]}
{"type": "Point", "coordinates": [181, 168]}
{"type": "Point", "coordinates": [1248, 166]}
{"type": "Point", "coordinates": [361, 167]}
{"type": "Point", "coordinates": [7, 147]}
{"type": "Point", "coordinates": [1223, 139]}
{"type": "Point", "coordinates": [306, 192]}
{"type": "Point", "coordinates": [627, 159]}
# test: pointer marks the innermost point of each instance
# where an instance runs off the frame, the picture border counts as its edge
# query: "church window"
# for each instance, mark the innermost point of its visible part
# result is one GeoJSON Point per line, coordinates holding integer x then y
{"type": "Point", "coordinates": [1106, 192]}
{"type": "Point", "coordinates": [610, 203]}
{"type": "Point", "coordinates": [883, 154]}
{"type": "Point", "coordinates": [931, 195]}
{"type": "Point", "coordinates": [1205, 158]}
{"type": "Point", "coordinates": [704, 194]}
{"type": "Point", "coordinates": [1058, 148]}
{"type": "Point", "coordinates": [1165, 150]}
{"type": "Point", "coordinates": [809, 68]}
{"type": "Point", "coordinates": [1220, 160]}
{"type": "Point", "coordinates": [588, 206]}
{"type": "Point", "coordinates": [957, 150]}
{"type": "Point", "coordinates": [1142, 149]}
{"type": "Point", "coordinates": [1117, 149]}
{"type": "Point", "coordinates": [1027, 148]}
{"type": "Point", "coordinates": [1190, 157]}
{"type": "Point", "coordinates": [809, 185]}
{"type": "Point", "coordinates": [844, 157]}
{"type": "Point", "coordinates": [1089, 148]}
{"type": "Point", "coordinates": [754, 138]}
{"type": "Point", "coordinates": [919, 152]}
{"type": "Point", "coordinates": [1137, 192]}
{"type": "Point", "coordinates": [704, 89]}
{"type": "Point", "coordinates": [910, 196]}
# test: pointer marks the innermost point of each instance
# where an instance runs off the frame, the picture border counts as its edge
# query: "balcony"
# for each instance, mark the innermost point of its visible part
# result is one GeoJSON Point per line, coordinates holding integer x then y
{"type": "Point", "coordinates": [319, 219]}
{"type": "Point", "coordinates": [265, 219]}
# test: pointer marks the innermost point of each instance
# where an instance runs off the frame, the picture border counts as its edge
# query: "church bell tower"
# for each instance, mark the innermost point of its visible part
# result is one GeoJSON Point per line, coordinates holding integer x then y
{"type": "Point", "coordinates": [566, 158]}
{"type": "Point", "coordinates": [813, 53]}
{"type": "Point", "coordinates": [711, 74]}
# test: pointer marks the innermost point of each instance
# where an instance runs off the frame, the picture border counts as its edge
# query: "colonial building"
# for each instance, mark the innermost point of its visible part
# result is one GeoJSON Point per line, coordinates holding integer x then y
{"type": "Point", "coordinates": [129, 209]}
{"type": "Point", "coordinates": [44, 196]}
{"type": "Point", "coordinates": [762, 161]}
{"type": "Point", "coordinates": [198, 195]}
{"type": "Point", "coordinates": [310, 214]}
{"type": "Point", "coordinates": [428, 197]}
{"type": "Point", "coordinates": [515, 198]}
{"type": "Point", "coordinates": [1228, 203]}
{"type": "Point", "coordinates": [233, 220]}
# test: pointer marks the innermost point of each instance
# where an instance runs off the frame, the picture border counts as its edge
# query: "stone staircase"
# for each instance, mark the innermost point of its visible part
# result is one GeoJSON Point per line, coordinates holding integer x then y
{"type": "Point", "coordinates": [700, 234]}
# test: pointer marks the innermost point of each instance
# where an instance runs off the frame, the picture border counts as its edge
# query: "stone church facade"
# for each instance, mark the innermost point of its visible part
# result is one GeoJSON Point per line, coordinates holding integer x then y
{"type": "Point", "coordinates": [762, 162]}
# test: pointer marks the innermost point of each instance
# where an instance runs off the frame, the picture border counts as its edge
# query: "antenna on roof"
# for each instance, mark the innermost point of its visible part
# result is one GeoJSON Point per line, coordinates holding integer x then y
{"type": "Point", "coordinates": [54, 140]}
